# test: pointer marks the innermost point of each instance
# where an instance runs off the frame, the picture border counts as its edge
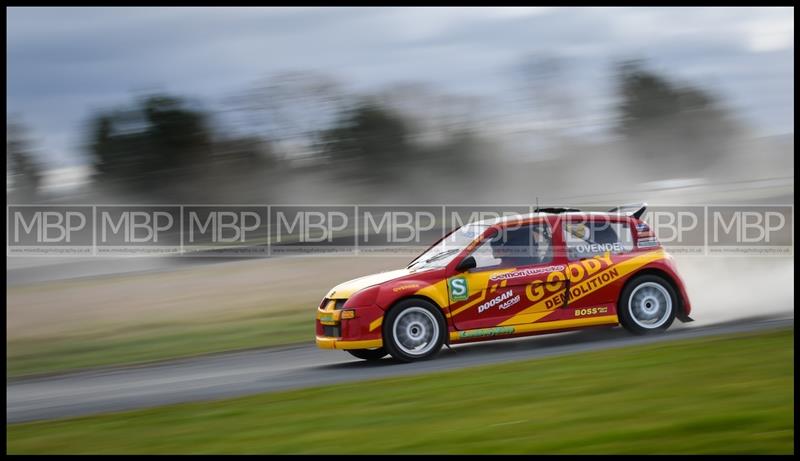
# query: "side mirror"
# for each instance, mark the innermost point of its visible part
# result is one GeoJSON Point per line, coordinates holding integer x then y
{"type": "Point", "coordinates": [467, 264]}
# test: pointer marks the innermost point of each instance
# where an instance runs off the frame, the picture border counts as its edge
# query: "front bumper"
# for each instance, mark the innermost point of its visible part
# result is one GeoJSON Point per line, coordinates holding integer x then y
{"type": "Point", "coordinates": [324, 342]}
{"type": "Point", "coordinates": [361, 332]}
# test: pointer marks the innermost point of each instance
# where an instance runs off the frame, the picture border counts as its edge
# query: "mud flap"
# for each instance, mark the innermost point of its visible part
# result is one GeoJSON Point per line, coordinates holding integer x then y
{"type": "Point", "coordinates": [684, 318]}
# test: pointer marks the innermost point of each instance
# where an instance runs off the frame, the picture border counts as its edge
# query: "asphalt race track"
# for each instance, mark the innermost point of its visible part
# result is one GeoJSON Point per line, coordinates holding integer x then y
{"type": "Point", "coordinates": [254, 371]}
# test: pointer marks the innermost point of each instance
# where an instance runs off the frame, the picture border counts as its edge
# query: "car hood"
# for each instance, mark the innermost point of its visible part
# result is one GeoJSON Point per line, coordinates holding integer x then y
{"type": "Point", "coordinates": [346, 289]}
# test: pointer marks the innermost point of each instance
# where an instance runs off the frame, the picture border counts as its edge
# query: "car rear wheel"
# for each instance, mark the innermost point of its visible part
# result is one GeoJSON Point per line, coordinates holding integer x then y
{"type": "Point", "coordinates": [647, 305]}
{"type": "Point", "coordinates": [368, 354]}
{"type": "Point", "coordinates": [414, 330]}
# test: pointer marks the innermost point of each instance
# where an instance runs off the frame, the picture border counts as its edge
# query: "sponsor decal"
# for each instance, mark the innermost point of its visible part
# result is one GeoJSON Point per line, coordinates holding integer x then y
{"type": "Point", "coordinates": [599, 247]}
{"type": "Point", "coordinates": [495, 331]}
{"type": "Point", "coordinates": [584, 288]}
{"type": "Point", "coordinates": [591, 311]}
{"type": "Point", "coordinates": [458, 288]}
{"type": "Point", "coordinates": [588, 276]}
{"type": "Point", "coordinates": [495, 301]}
{"type": "Point", "coordinates": [406, 287]}
{"type": "Point", "coordinates": [327, 320]}
{"type": "Point", "coordinates": [642, 227]}
{"type": "Point", "coordinates": [525, 272]}
{"type": "Point", "coordinates": [555, 280]}
{"type": "Point", "coordinates": [510, 302]}
{"type": "Point", "coordinates": [647, 243]}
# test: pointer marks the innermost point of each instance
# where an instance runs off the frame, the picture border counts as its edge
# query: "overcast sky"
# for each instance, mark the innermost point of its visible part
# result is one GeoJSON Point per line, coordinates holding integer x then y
{"type": "Point", "coordinates": [63, 63]}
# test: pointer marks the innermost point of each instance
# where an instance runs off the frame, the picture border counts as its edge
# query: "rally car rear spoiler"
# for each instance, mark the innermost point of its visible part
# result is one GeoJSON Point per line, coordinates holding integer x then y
{"type": "Point", "coordinates": [634, 209]}
{"type": "Point", "coordinates": [555, 210]}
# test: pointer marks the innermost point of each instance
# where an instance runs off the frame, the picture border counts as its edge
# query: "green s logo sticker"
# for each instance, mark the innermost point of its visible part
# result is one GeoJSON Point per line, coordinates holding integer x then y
{"type": "Point", "coordinates": [458, 289]}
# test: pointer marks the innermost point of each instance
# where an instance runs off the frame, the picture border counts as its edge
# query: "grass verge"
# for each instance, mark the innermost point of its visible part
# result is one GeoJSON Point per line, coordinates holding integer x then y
{"type": "Point", "coordinates": [729, 394]}
{"type": "Point", "coordinates": [157, 341]}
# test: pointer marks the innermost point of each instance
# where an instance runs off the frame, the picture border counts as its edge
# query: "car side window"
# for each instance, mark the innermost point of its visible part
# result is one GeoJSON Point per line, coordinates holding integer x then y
{"type": "Point", "coordinates": [514, 247]}
{"type": "Point", "coordinates": [591, 238]}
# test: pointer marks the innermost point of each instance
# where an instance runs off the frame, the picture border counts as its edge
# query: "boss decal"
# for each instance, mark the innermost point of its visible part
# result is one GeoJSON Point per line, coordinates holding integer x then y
{"type": "Point", "coordinates": [458, 288]}
{"type": "Point", "coordinates": [591, 311]}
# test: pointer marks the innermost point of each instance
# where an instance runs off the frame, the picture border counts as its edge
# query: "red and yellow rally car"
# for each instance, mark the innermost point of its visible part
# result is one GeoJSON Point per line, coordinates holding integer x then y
{"type": "Point", "coordinates": [550, 271]}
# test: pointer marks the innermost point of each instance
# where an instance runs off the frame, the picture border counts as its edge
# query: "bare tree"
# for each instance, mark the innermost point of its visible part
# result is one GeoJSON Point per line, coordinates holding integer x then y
{"type": "Point", "coordinates": [676, 128]}
{"type": "Point", "coordinates": [289, 107]}
{"type": "Point", "coordinates": [24, 169]}
{"type": "Point", "coordinates": [434, 114]}
{"type": "Point", "coordinates": [545, 90]}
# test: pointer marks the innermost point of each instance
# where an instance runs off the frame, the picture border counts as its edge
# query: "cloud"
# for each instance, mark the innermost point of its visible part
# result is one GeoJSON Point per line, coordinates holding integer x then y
{"type": "Point", "coordinates": [62, 63]}
{"type": "Point", "coordinates": [770, 34]}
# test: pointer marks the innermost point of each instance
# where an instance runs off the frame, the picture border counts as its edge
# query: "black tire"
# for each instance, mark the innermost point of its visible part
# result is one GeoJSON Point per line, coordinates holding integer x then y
{"type": "Point", "coordinates": [412, 313]}
{"type": "Point", "coordinates": [639, 296]}
{"type": "Point", "coordinates": [368, 354]}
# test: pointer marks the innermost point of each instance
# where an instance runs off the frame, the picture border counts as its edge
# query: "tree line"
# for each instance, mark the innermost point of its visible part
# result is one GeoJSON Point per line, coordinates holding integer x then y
{"type": "Point", "coordinates": [163, 139]}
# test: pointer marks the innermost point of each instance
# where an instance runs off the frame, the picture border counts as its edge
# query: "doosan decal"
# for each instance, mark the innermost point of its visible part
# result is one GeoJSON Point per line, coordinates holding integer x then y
{"type": "Point", "coordinates": [489, 304]}
{"type": "Point", "coordinates": [510, 302]}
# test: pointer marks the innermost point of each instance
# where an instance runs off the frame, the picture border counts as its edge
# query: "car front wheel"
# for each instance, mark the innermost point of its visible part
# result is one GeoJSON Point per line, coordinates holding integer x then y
{"type": "Point", "coordinates": [414, 330]}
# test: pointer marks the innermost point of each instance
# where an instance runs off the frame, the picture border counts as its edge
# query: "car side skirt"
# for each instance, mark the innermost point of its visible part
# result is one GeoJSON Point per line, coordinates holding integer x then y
{"type": "Point", "coordinates": [531, 328]}
{"type": "Point", "coordinates": [483, 334]}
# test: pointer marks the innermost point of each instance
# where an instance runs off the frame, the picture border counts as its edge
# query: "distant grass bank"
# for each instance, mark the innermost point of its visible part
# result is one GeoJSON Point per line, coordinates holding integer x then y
{"type": "Point", "coordinates": [729, 394]}
{"type": "Point", "coordinates": [158, 341]}
{"type": "Point", "coordinates": [140, 317]}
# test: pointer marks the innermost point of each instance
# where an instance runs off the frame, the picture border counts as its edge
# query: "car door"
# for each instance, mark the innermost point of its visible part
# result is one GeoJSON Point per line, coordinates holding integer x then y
{"type": "Point", "coordinates": [515, 281]}
{"type": "Point", "coordinates": [595, 246]}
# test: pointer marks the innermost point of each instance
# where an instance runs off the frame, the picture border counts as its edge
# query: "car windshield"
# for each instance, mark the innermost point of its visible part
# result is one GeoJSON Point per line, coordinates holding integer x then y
{"type": "Point", "coordinates": [449, 247]}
